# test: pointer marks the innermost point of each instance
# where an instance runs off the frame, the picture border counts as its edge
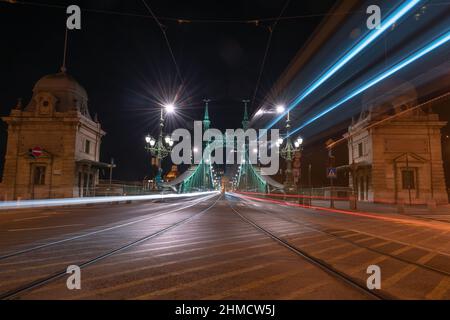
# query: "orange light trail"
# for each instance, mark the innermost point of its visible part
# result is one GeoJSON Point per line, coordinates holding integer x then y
{"type": "Point", "coordinates": [409, 221]}
{"type": "Point", "coordinates": [295, 196]}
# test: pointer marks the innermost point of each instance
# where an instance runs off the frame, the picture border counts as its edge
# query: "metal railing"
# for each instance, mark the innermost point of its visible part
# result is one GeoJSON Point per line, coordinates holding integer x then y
{"type": "Point", "coordinates": [103, 188]}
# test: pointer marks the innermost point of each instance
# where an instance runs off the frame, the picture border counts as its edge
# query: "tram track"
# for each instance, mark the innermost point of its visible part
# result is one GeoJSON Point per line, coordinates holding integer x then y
{"type": "Point", "coordinates": [114, 227]}
{"type": "Point", "coordinates": [32, 285]}
{"type": "Point", "coordinates": [374, 250]}
{"type": "Point", "coordinates": [329, 269]}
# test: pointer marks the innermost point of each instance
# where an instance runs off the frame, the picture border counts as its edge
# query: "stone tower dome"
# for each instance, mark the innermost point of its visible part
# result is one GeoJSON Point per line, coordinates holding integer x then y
{"type": "Point", "coordinates": [390, 97]}
{"type": "Point", "coordinates": [59, 92]}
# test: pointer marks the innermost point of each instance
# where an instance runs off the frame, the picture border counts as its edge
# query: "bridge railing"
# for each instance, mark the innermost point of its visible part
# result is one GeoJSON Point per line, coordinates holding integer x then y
{"type": "Point", "coordinates": [102, 189]}
{"type": "Point", "coordinates": [317, 197]}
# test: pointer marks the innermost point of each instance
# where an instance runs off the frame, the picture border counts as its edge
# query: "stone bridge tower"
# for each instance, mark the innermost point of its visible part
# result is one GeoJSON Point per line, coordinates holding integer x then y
{"type": "Point", "coordinates": [395, 151]}
{"type": "Point", "coordinates": [57, 125]}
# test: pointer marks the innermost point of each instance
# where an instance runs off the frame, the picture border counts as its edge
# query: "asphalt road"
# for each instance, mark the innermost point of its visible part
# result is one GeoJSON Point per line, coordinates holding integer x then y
{"type": "Point", "coordinates": [220, 247]}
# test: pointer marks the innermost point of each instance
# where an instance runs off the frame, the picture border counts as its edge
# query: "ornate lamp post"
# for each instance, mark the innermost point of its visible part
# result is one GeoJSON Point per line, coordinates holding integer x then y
{"type": "Point", "coordinates": [287, 152]}
{"type": "Point", "coordinates": [160, 147]}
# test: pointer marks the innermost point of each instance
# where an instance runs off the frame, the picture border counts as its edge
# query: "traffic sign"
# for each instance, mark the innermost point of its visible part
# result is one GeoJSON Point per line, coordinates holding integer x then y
{"type": "Point", "coordinates": [332, 173]}
{"type": "Point", "coordinates": [36, 152]}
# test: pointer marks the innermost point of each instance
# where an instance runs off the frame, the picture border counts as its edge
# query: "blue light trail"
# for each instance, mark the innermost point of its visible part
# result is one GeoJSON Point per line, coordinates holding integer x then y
{"type": "Point", "coordinates": [415, 56]}
{"type": "Point", "coordinates": [361, 45]}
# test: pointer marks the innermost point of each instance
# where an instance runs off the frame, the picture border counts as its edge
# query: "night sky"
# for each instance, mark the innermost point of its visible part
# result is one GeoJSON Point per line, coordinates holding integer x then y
{"type": "Point", "coordinates": [122, 60]}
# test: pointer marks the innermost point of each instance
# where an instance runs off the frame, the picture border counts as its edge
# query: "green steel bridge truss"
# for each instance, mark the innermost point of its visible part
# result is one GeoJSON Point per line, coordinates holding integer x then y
{"type": "Point", "coordinates": [201, 177]}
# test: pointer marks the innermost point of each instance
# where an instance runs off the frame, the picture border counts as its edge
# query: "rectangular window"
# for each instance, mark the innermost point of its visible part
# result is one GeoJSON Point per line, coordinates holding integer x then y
{"type": "Point", "coordinates": [87, 146]}
{"type": "Point", "coordinates": [360, 149]}
{"type": "Point", "coordinates": [408, 179]}
{"type": "Point", "coordinates": [39, 175]}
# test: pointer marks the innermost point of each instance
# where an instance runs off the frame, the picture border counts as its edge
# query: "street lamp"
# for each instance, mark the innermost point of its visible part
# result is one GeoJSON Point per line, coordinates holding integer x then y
{"type": "Point", "coordinates": [289, 149]}
{"type": "Point", "coordinates": [287, 152]}
{"type": "Point", "coordinates": [160, 147]}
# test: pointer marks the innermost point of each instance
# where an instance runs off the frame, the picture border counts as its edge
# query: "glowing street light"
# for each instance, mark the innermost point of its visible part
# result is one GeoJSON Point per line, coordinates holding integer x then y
{"type": "Point", "coordinates": [170, 108]}
{"type": "Point", "coordinates": [280, 108]}
{"type": "Point", "coordinates": [279, 142]}
{"type": "Point", "coordinates": [298, 142]}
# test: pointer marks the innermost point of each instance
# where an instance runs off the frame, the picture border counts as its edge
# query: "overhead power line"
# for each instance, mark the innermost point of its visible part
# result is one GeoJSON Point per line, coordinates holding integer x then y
{"type": "Point", "coordinates": [266, 51]}
{"type": "Point", "coordinates": [163, 31]}
{"type": "Point", "coordinates": [256, 21]}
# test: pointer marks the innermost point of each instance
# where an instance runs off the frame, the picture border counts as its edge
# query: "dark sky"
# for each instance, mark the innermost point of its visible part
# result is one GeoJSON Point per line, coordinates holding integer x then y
{"type": "Point", "coordinates": [124, 64]}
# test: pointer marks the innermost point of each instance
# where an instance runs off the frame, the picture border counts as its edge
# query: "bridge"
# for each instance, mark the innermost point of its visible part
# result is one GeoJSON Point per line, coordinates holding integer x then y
{"type": "Point", "coordinates": [202, 176]}
{"type": "Point", "coordinates": [257, 239]}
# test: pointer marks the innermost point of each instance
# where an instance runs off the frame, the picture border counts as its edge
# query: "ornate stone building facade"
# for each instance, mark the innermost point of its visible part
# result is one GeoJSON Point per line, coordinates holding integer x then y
{"type": "Point", "coordinates": [57, 126]}
{"type": "Point", "coordinates": [395, 151]}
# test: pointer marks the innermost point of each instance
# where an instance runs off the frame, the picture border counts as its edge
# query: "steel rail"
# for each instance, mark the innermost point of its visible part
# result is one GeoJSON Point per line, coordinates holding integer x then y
{"type": "Point", "coordinates": [419, 265]}
{"type": "Point", "coordinates": [346, 279]}
{"type": "Point", "coordinates": [49, 244]}
{"type": "Point", "coordinates": [14, 293]}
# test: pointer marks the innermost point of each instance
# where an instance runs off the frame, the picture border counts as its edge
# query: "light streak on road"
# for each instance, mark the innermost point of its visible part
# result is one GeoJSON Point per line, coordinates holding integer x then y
{"type": "Point", "coordinates": [443, 39]}
{"type": "Point", "coordinates": [402, 10]}
{"type": "Point", "coordinates": [385, 217]}
{"type": "Point", "coordinates": [95, 200]}
{"type": "Point", "coordinates": [297, 196]}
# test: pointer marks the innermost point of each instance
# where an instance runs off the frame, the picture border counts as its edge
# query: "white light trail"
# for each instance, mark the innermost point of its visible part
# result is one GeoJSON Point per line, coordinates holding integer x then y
{"type": "Point", "coordinates": [443, 39]}
{"type": "Point", "coordinates": [401, 11]}
{"type": "Point", "coordinates": [93, 200]}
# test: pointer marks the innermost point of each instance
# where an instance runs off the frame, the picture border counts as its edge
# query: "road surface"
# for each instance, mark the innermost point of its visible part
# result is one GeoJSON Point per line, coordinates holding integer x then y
{"type": "Point", "coordinates": [220, 247]}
